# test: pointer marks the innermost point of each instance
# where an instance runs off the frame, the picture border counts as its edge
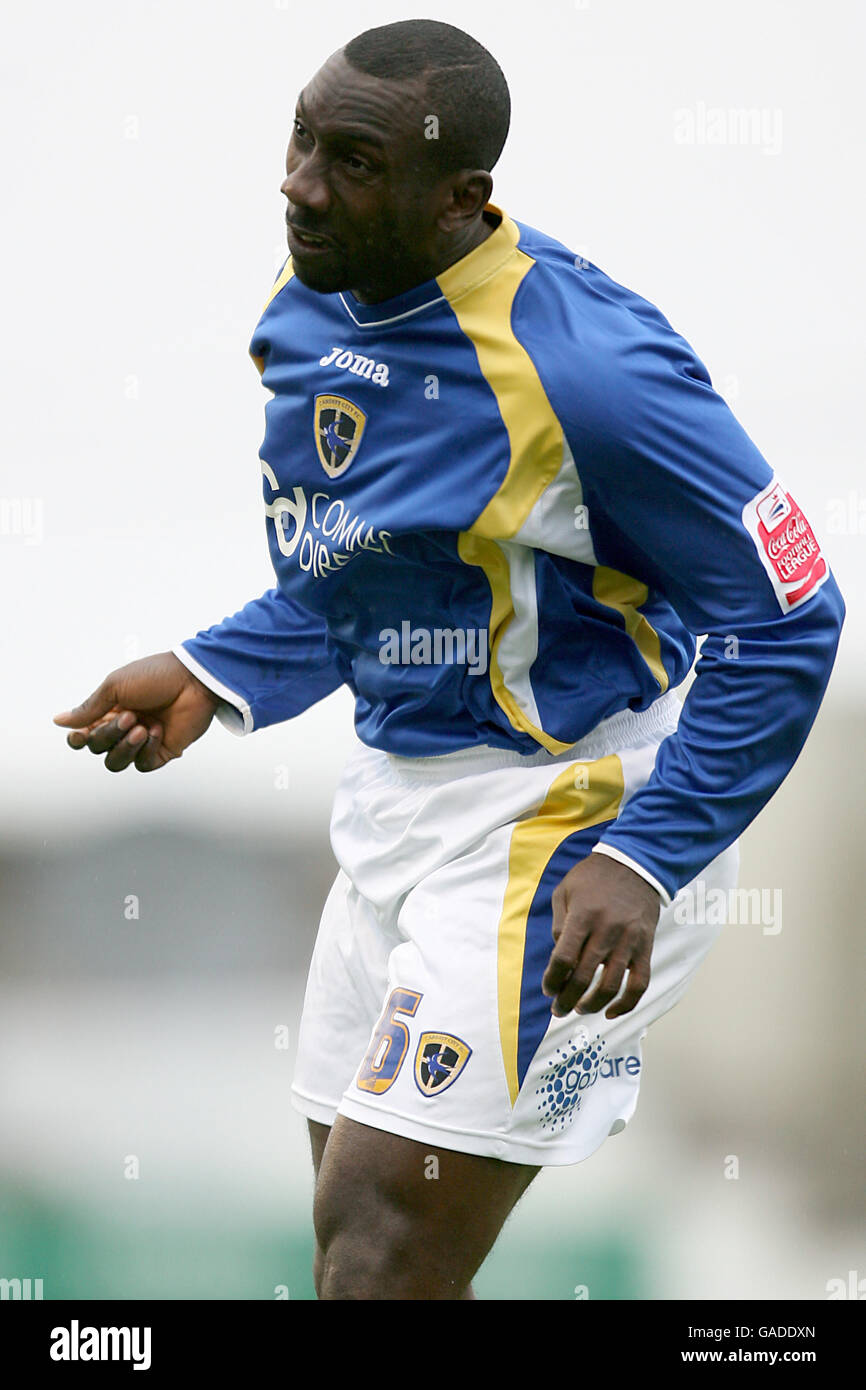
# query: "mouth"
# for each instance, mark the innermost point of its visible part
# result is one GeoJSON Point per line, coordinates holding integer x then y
{"type": "Point", "coordinates": [308, 241]}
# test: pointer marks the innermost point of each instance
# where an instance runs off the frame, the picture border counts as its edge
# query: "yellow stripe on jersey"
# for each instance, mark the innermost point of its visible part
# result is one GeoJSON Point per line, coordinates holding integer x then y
{"type": "Point", "coordinates": [494, 272]}
{"type": "Point", "coordinates": [566, 809]}
{"type": "Point", "coordinates": [620, 591]}
{"type": "Point", "coordinates": [475, 550]}
{"type": "Point", "coordinates": [282, 279]}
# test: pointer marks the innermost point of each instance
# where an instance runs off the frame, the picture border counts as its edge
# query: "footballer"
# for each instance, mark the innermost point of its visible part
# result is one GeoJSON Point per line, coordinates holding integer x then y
{"type": "Point", "coordinates": [502, 500]}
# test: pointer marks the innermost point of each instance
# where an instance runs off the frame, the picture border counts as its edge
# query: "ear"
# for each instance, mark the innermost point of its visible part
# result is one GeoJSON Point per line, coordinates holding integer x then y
{"type": "Point", "coordinates": [464, 197]}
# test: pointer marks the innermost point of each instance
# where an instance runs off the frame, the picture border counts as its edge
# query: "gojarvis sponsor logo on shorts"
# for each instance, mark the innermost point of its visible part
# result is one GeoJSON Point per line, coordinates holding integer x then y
{"type": "Point", "coordinates": [576, 1067]}
{"type": "Point", "coordinates": [439, 1060]}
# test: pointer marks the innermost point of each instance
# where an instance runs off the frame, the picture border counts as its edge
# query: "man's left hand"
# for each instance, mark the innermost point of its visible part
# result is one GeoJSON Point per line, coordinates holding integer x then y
{"type": "Point", "coordinates": [603, 913]}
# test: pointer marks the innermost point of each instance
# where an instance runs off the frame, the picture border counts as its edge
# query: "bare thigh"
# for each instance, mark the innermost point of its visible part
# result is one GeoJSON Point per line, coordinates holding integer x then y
{"type": "Point", "coordinates": [396, 1219]}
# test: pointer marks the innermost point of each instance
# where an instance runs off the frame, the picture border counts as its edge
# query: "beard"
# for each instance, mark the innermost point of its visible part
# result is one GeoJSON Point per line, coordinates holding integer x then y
{"type": "Point", "coordinates": [378, 266]}
{"type": "Point", "coordinates": [323, 272]}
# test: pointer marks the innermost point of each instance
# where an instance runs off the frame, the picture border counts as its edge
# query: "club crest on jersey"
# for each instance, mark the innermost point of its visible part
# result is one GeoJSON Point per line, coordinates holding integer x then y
{"type": "Point", "coordinates": [338, 426]}
{"type": "Point", "coordinates": [786, 545]}
{"type": "Point", "coordinates": [439, 1061]}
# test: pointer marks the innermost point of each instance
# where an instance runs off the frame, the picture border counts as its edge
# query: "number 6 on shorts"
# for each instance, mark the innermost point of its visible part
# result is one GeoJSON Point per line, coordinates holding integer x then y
{"type": "Point", "coordinates": [389, 1043]}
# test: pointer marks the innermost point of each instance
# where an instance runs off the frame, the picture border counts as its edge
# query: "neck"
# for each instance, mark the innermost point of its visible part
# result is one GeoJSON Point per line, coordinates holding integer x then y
{"type": "Point", "coordinates": [479, 231]}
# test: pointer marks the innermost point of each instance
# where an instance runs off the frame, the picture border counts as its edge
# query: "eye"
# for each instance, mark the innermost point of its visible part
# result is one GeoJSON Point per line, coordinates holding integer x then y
{"type": "Point", "coordinates": [356, 162]}
{"type": "Point", "coordinates": [300, 128]}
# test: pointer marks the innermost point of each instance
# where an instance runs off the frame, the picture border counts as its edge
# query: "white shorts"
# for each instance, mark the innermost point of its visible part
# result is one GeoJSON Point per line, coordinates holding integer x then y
{"type": "Point", "coordinates": [423, 1012]}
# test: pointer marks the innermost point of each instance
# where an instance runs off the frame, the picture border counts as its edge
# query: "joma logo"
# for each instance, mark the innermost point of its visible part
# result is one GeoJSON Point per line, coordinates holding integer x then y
{"type": "Point", "coordinates": [358, 365]}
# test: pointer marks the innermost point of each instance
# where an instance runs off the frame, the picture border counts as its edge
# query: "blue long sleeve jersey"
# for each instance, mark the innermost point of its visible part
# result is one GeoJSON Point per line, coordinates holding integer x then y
{"type": "Point", "coordinates": [500, 507]}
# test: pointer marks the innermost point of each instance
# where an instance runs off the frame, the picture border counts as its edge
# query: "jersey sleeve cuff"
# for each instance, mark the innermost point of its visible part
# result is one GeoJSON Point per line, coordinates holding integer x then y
{"type": "Point", "coordinates": [637, 868]}
{"type": "Point", "coordinates": [233, 712]}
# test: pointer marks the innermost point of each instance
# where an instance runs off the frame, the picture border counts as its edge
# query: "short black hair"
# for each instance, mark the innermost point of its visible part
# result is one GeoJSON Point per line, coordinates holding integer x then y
{"type": "Point", "coordinates": [466, 89]}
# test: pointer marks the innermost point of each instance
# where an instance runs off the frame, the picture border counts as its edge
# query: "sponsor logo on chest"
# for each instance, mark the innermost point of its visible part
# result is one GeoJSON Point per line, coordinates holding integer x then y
{"type": "Point", "coordinates": [324, 532]}
{"type": "Point", "coordinates": [357, 364]}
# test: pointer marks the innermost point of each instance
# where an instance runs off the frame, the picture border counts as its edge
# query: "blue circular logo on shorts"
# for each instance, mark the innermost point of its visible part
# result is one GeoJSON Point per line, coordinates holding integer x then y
{"type": "Point", "coordinates": [567, 1075]}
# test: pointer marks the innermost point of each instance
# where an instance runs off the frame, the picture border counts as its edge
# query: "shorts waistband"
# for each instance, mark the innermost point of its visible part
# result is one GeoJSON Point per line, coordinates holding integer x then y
{"type": "Point", "coordinates": [621, 730]}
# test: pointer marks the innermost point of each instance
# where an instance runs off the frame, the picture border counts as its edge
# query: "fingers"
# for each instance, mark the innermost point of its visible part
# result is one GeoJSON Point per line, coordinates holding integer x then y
{"type": "Point", "coordinates": [567, 950]}
{"type": "Point", "coordinates": [90, 710]}
{"type": "Point", "coordinates": [638, 980]}
{"type": "Point", "coordinates": [77, 739]}
{"type": "Point", "coordinates": [582, 977]}
{"type": "Point", "coordinates": [106, 732]}
{"type": "Point", "coordinates": [575, 993]}
{"type": "Point", "coordinates": [127, 749]}
{"type": "Point", "coordinates": [560, 969]}
{"type": "Point", "coordinates": [608, 987]}
{"type": "Point", "coordinates": [152, 754]}
{"type": "Point", "coordinates": [125, 739]}
{"type": "Point", "coordinates": [103, 733]}
{"type": "Point", "coordinates": [141, 746]}
{"type": "Point", "coordinates": [603, 926]}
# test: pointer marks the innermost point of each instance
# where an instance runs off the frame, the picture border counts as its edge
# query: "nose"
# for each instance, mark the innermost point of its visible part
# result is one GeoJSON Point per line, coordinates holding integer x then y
{"type": "Point", "coordinates": [304, 185]}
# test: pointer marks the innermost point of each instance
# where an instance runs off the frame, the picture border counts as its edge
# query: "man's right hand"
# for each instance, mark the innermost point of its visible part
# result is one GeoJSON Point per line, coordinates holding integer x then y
{"type": "Point", "coordinates": [145, 713]}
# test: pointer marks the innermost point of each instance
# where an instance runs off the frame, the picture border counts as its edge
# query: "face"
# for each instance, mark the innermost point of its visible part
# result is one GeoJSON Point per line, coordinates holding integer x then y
{"type": "Point", "coordinates": [359, 180]}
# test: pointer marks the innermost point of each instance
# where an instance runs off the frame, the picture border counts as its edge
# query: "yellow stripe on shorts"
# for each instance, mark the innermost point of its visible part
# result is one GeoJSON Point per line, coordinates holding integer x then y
{"type": "Point", "coordinates": [568, 807]}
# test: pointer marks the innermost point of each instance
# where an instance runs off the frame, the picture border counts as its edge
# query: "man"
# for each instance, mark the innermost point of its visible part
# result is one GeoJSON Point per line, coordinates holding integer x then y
{"type": "Point", "coordinates": [502, 497]}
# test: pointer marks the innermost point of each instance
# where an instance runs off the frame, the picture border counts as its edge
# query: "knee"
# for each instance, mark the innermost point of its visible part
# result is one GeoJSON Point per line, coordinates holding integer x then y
{"type": "Point", "coordinates": [357, 1260]}
{"type": "Point", "coordinates": [359, 1269]}
{"type": "Point", "coordinates": [382, 1256]}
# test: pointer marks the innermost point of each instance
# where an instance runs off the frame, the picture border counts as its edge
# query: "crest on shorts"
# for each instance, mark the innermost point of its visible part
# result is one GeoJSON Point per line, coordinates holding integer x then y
{"type": "Point", "coordinates": [439, 1061]}
{"type": "Point", "coordinates": [338, 426]}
